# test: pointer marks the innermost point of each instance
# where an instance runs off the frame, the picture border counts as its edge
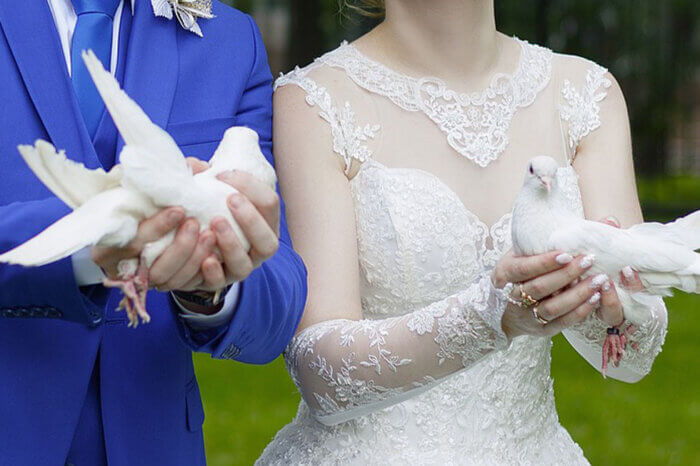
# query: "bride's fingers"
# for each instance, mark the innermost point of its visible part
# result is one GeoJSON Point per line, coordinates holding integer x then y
{"type": "Point", "coordinates": [610, 310]}
{"type": "Point", "coordinates": [521, 269]}
{"type": "Point", "coordinates": [564, 302]}
{"type": "Point", "coordinates": [574, 317]}
{"type": "Point", "coordinates": [545, 285]}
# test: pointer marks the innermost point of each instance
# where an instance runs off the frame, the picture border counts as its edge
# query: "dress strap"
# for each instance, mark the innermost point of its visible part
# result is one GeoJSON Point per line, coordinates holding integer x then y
{"type": "Point", "coordinates": [581, 109]}
{"type": "Point", "coordinates": [349, 138]}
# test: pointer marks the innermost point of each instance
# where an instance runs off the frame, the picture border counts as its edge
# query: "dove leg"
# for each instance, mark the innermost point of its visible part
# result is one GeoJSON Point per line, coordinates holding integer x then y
{"type": "Point", "coordinates": [613, 348]}
{"type": "Point", "coordinates": [133, 282]}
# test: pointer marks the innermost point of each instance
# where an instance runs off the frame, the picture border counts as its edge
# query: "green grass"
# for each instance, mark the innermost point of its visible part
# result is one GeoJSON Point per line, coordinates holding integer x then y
{"type": "Point", "coordinates": [653, 422]}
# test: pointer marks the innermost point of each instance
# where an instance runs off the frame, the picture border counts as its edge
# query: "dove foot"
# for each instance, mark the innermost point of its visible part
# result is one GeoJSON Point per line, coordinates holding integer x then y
{"type": "Point", "coordinates": [135, 288]}
{"type": "Point", "coordinates": [613, 348]}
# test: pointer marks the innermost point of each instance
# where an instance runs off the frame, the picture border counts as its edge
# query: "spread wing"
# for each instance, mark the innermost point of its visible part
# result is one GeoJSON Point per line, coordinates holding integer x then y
{"type": "Point", "coordinates": [70, 181]}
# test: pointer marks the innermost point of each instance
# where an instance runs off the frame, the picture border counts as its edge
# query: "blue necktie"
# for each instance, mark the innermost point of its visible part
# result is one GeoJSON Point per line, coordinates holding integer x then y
{"type": "Point", "coordinates": [92, 31]}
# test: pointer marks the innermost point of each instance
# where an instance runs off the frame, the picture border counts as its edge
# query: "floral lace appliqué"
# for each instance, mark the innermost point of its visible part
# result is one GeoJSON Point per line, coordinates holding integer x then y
{"type": "Point", "coordinates": [582, 109]}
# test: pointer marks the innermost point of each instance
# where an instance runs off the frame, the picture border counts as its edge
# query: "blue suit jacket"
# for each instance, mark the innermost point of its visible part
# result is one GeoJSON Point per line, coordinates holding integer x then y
{"type": "Point", "coordinates": [51, 332]}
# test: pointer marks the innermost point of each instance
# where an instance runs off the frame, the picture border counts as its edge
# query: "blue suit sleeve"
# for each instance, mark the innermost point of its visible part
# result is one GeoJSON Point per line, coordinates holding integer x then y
{"type": "Point", "coordinates": [272, 298]}
{"type": "Point", "coordinates": [48, 291]}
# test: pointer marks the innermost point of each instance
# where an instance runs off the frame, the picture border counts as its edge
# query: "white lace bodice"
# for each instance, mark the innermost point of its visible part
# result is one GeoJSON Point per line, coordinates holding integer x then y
{"type": "Point", "coordinates": [428, 377]}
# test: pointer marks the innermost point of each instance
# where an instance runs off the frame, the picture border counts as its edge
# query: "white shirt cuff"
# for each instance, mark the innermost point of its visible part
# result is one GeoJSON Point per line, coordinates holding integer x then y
{"type": "Point", "coordinates": [223, 317]}
{"type": "Point", "coordinates": [85, 270]}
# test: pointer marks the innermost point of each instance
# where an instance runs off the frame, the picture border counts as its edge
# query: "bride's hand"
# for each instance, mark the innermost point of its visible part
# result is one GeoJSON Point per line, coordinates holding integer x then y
{"type": "Point", "coordinates": [553, 280]}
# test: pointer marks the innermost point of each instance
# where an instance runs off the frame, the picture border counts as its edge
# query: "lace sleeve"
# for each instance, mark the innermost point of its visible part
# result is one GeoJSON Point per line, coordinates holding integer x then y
{"type": "Point", "coordinates": [642, 348]}
{"type": "Point", "coordinates": [345, 369]}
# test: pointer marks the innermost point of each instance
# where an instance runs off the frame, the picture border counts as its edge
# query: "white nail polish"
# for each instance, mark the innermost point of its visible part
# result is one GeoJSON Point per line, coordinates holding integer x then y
{"type": "Point", "coordinates": [628, 272]}
{"type": "Point", "coordinates": [606, 286]}
{"type": "Point", "coordinates": [564, 258]}
{"type": "Point", "coordinates": [599, 280]}
{"type": "Point", "coordinates": [587, 261]}
{"type": "Point", "coordinates": [594, 299]}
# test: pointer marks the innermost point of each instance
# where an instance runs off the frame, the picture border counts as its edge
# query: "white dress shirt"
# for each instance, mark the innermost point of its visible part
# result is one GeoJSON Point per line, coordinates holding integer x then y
{"type": "Point", "coordinates": [85, 270]}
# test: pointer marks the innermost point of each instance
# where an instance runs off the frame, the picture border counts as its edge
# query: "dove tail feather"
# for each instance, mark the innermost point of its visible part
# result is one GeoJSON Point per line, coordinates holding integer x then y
{"type": "Point", "coordinates": [685, 230]}
{"type": "Point", "coordinates": [688, 228]}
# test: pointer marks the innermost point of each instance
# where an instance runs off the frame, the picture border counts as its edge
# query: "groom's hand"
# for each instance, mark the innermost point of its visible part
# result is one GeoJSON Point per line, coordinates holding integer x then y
{"type": "Point", "coordinates": [256, 209]}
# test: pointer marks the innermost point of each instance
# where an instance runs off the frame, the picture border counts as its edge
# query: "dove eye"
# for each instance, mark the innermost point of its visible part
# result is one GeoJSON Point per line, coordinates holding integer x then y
{"type": "Point", "coordinates": [531, 170]}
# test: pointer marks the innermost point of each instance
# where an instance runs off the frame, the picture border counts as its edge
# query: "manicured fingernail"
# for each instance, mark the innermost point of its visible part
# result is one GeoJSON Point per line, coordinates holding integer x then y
{"type": "Point", "coordinates": [599, 280]}
{"type": "Point", "coordinates": [564, 258]}
{"type": "Point", "coordinates": [594, 299]}
{"type": "Point", "coordinates": [628, 272]}
{"type": "Point", "coordinates": [587, 261]}
{"type": "Point", "coordinates": [606, 286]}
{"type": "Point", "coordinates": [176, 215]}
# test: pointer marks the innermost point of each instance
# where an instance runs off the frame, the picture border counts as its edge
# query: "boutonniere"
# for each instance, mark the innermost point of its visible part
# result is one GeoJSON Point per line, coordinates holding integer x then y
{"type": "Point", "coordinates": [186, 12]}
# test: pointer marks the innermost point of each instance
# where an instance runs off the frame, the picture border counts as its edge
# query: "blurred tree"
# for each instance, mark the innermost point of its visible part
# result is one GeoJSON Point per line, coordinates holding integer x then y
{"type": "Point", "coordinates": [651, 47]}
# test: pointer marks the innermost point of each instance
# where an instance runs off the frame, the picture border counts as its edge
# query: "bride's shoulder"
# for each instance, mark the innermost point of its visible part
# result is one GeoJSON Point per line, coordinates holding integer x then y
{"type": "Point", "coordinates": [579, 70]}
{"type": "Point", "coordinates": [320, 69]}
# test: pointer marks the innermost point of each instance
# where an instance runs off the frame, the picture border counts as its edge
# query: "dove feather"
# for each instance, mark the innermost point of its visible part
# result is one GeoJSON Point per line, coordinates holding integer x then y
{"type": "Point", "coordinates": [70, 181]}
{"type": "Point", "coordinates": [133, 123]}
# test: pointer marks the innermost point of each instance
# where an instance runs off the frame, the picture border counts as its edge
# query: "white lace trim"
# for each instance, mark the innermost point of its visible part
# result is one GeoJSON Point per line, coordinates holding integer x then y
{"type": "Point", "coordinates": [581, 111]}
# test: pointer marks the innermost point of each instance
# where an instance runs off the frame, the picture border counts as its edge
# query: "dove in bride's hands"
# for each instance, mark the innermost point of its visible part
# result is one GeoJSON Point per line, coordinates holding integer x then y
{"type": "Point", "coordinates": [663, 255]}
{"type": "Point", "coordinates": [152, 174]}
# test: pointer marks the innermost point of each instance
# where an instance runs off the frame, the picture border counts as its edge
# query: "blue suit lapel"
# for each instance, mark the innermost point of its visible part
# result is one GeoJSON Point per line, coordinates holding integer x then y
{"type": "Point", "coordinates": [31, 33]}
{"type": "Point", "coordinates": [152, 64]}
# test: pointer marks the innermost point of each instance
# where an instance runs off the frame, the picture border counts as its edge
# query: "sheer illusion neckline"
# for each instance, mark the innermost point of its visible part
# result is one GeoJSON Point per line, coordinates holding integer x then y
{"type": "Point", "coordinates": [476, 124]}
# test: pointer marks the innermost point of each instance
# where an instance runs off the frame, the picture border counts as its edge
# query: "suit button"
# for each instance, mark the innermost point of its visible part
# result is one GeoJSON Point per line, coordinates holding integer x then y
{"type": "Point", "coordinates": [36, 311]}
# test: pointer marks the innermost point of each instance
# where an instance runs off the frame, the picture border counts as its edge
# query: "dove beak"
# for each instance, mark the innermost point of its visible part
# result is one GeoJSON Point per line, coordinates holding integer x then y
{"type": "Point", "coordinates": [546, 182]}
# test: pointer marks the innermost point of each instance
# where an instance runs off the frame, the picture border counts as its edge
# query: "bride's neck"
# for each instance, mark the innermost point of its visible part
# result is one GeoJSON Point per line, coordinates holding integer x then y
{"type": "Point", "coordinates": [449, 38]}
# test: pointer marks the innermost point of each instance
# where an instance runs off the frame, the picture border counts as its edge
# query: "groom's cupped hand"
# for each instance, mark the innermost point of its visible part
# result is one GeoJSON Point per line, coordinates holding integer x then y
{"type": "Point", "coordinates": [190, 262]}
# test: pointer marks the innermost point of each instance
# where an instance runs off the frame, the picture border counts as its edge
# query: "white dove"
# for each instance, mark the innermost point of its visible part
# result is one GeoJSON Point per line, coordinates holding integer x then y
{"type": "Point", "coordinates": [152, 174]}
{"type": "Point", "coordinates": [662, 254]}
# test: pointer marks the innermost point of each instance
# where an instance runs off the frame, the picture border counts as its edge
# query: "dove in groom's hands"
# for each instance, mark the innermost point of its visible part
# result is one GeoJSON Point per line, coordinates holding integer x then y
{"type": "Point", "coordinates": [660, 256]}
{"type": "Point", "coordinates": [152, 175]}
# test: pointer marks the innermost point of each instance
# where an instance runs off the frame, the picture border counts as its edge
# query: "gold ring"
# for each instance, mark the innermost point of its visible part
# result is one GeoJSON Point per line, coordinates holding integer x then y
{"type": "Point", "coordinates": [527, 300]}
{"type": "Point", "coordinates": [539, 318]}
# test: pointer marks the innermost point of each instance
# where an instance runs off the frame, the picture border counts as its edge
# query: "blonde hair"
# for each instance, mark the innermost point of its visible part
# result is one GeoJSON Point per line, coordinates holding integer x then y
{"type": "Point", "coordinates": [371, 8]}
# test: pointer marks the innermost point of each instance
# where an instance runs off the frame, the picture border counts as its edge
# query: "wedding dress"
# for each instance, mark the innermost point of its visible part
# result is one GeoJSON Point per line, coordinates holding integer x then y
{"type": "Point", "coordinates": [428, 377]}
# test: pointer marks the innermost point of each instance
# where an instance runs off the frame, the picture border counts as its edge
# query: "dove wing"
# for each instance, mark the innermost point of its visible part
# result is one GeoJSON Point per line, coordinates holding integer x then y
{"type": "Point", "coordinates": [616, 248]}
{"type": "Point", "coordinates": [85, 226]}
{"type": "Point", "coordinates": [684, 231]}
{"type": "Point", "coordinates": [133, 123]}
{"type": "Point", "coordinates": [70, 181]}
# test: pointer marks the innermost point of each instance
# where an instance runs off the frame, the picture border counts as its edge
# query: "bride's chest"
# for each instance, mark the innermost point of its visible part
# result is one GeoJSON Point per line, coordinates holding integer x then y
{"type": "Point", "coordinates": [417, 242]}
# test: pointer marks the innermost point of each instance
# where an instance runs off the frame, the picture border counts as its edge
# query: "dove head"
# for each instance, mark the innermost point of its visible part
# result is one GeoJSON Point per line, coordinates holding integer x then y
{"type": "Point", "coordinates": [541, 173]}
